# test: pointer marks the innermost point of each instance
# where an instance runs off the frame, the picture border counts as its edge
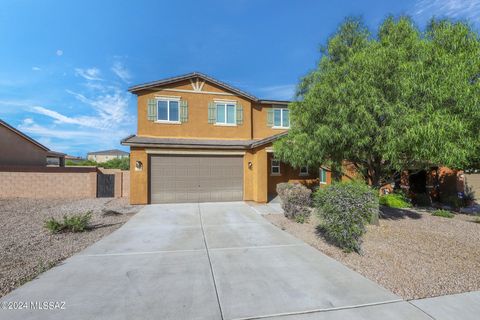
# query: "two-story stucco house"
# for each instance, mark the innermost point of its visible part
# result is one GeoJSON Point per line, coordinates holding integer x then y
{"type": "Point", "coordinates": [200, 139]}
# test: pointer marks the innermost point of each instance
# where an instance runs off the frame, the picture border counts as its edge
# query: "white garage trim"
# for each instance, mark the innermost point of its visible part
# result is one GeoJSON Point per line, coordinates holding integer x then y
{"type": "Point", "coordinates": [196, 152]}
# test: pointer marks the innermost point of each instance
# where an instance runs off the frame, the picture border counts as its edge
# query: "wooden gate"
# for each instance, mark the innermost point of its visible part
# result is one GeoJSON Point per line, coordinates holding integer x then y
{"type": "Point", "coordinates": [105, 185]}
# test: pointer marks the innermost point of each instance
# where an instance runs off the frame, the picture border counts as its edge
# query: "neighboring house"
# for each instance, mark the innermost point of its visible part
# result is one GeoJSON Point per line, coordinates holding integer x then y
{"type": "Point", "coordinates": [18, 149]}
{"type": "Point", "coordinates": [106, 155]}
{"type": "Point", "coordinates": [200, 139]}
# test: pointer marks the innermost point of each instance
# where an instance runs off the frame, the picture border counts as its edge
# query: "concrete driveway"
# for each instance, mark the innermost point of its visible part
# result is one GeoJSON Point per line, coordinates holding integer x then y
{"type": "Point", "coordinates": [205, 261]}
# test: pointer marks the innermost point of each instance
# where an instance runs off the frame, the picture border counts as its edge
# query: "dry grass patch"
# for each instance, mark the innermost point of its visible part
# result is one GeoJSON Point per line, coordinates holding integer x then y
{"type": "Point", "coordinates": [411, 252]}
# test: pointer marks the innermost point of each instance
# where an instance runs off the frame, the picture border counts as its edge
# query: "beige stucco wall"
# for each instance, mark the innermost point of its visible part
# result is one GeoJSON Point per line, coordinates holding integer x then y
{"type": "Point", "coordinates": [258, 184]}
{"type": "Point", "coordinates": [138, 179]}
{"type": "Point", "coordinates": [259, 121]}
{"type": "Point", "coordinates": [16, 150]}
{"type": "Point", "coordinates": [48, 185]}
{"type": "Point", "coordinates": [197, 125]}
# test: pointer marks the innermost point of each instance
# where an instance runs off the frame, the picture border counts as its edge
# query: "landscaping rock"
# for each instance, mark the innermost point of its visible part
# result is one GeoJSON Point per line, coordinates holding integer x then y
{"type": "Point", "coordinates": [27, 248]}
{"type": "Point", "coordinates": [412, 253]}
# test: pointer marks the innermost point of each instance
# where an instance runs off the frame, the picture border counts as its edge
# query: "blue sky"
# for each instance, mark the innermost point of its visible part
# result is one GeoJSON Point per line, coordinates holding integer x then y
{"type": "Point", "coordinates": [65, 65]}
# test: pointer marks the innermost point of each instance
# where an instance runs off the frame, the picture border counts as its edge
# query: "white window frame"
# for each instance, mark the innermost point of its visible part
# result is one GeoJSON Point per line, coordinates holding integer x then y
{"type": "Point", "coordinates": [302, 174]}
{"type": "Point", "coordinates": [281, 126]}
{"type": "Point", "coordinates": [168, 110]}
{"type": "Point", "coordinates": [225, 104]}
{"type": "Point", "coordinates": [275, 166]}
{"type": "Point", "coordinates": [322, 170]}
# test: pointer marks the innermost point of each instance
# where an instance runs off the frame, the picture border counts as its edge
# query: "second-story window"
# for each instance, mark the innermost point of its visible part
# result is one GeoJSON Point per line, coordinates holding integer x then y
{"type": "Point", "coordinates": [281, 118]}
{"type": "Point", "coordinates": [226, 113]}
{"type": "Point", "coordinates": [168, 110]}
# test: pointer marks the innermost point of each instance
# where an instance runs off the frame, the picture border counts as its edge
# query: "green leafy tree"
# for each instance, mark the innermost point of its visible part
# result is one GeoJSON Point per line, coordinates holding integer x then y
{"type": "Point", "coordinates": [401, 99]}
{"type": "Point", "coordinates": [123, 163]}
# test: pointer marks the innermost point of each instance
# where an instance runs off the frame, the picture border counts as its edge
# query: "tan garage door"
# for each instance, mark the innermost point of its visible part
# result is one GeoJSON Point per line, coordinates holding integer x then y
{"type": "Point", "coordinates": [181, 178]}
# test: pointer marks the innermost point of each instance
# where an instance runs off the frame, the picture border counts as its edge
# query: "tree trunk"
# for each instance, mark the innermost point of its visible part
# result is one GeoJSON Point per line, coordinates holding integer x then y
{"type": "Point", "coordinates": [376, 178]}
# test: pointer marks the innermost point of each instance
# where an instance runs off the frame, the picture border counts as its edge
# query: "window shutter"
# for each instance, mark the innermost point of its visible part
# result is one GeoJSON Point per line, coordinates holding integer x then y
{"type": "Point", "coordinates": [239, 114]}
{"type": "Point", "coordinates": [211, 112]}
{"type": "Point", "coordinates": [183, 111]}
{"type": "Point", "coordinates": [152, 110]}
{"type": "Point", "coordinates": [270, 117]}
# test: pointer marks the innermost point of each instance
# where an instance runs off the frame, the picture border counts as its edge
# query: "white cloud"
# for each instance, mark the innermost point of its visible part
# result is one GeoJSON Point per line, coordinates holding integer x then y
{"type": "Point", "coordinates": [469, 9]}
{"type": "Point", "coordinates": [119, 69]}
{"type": "Point", "coordinates": [28, 121]}
{"type": "Point", "coordinates": [84, 121]}
{"type": "Point", "coordinates": [59, 52]}
{"type": "Point", "coordinates": [72, 140]}
{"type": "Point", "coordinates": [31, 127]}
{"type": "Point", "coordinates": [36, 69]}
{"type": "Point", "coordinates": [281, 92]}
{"type": "Point", "coordinates": [88, 74]}
{"type": "Point", "coordinates": [111, 107]}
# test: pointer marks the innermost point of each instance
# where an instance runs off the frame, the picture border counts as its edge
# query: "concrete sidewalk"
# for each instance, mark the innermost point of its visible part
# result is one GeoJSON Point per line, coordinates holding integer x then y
{"type": "Point", "coordinates": [465, 306]}
{"type": "Point", "coordinates": [205, 261]}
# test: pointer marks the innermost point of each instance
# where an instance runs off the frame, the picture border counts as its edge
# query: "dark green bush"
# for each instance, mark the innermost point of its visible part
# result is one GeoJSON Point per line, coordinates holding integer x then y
{"type": "Point", "coordinates": [394, 200]}
{"type": "Point", "coordinates": [452, 200]}
{"type": "Point", "coordinates": [122, 164]}
{"type": "Point", "coordinates": [423, 200]}
{"type": "Point", "coordinates": [296, 199]}
{"type": "Point", "coordinates": [75, 223]}
{"type": "Point", "coordinates": [344, 209]}
{"type": "Point", "coordinates": [443, 213]}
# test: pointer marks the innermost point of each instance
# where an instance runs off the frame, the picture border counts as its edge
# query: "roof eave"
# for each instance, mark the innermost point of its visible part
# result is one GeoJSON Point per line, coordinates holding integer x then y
{"type": "Point", "coordinates": [158, 83]}
{"type": "Point", "coordinates": [185, 146]}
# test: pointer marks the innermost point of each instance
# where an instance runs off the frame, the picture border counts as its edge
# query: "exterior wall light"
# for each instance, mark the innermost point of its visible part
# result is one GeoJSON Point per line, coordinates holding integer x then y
{"type": "Point", "coordinates": [138, 165]}
{"type": "Point", "coordinates": [250, 164]}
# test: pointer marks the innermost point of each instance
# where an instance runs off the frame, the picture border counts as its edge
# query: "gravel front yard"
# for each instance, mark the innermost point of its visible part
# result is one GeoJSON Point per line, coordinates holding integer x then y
{"type": "Point", "coordinates": [27, 248]}
{"type": "Point", "coordinates": [411, 253]}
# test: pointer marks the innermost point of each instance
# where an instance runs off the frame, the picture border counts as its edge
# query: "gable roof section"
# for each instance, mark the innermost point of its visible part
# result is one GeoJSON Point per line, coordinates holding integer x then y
{"type": "Point", "coordinates": [136, 141]}
{"type": "Point", "coordinates": [23, 135]}
{"type": "Point", "coordinates": [194, 75]}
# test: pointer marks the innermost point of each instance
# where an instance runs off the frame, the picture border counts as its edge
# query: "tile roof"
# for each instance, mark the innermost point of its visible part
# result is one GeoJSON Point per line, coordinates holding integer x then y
{"type": "Point", "coordinates": [192, 75]}
{"type": "Point", "coordinates": [134, 140]}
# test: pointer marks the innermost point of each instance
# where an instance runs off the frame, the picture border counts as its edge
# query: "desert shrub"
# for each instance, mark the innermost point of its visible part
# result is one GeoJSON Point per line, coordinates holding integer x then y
{"type": "Point", "coordinates": [53, 225]}
{"type": "Point", "coordinates": [75, 223]}
{"type": "Point", "coordinates": [394, 200]}
{"type": "Point", "coordinates": [443, 213]}
{"type": "Point", "coordinates": [344, 209]}
{"type": "Point", "coordinates": [296, 199]}
{"type": "Point", "coordinates": [452, 200]}
{"type": "Point", "coordinates": [300, 218]}
{"type": "Point", "coordinates": [468, 195]}
{"type": "Point", "coordinates": [423, 200]}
